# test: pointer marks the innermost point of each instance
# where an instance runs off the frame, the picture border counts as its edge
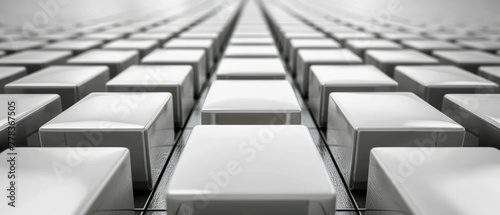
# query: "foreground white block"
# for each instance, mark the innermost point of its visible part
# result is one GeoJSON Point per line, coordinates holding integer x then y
{"type": "Point", "coordinates": [286, 176]}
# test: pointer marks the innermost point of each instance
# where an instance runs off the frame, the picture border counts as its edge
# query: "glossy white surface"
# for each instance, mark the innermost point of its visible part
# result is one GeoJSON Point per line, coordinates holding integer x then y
{"type": "Point", "coordinates": [478, 114]}
{"type": "Point", "coordinates": [491, 73]}
{"type": "Point", "coordinates": [251, 51]}
{"type": "Point", "coordinates": [143, 46]}
{"type": "Point", "coordinates": [177, 80]}
{"type": "Point", "coordinates": [358, 122]}
{"type": "Point", "coordinates": [343, 36]}
{"type": "Point", "coordinates": [60, 76]}
{"type": "Point", "coordinates": [258, 181]}
{"type": "Point", "coordinates": [296, 33]}
{"type": "Point", "coordinates": [34, 60]}
{"type": "Point", "coordinates": [427, 46]}
{"type": "Point", "coordinates": [318, 43]}
{"type": "Point", "coordinates": [32, 111]}
{"type": "Point", "coordinates": [71, 83]}
{"type": "Point", "coordinates": [308, 57]}
{"type": "Point", "coordinates": [431, 83]}
{"type": "Point", "coordinates": [194, 57]}
{"type": "Point", "coordinates": [102, 36]}
{"type": "Point", "coordinates": [76, 46]}
{"type": "Point", "coordinates": [350, 78]}
{"type": "Point", "coordinates": [395, 111]}
{"type": "Point", "coordinates": [442, 181]}
{"type": "Point", "coordinates": [360, 46]}
{"type": "Point", "coordinates": [203, 35]}
{"type": "Point", "coordinates": [48, 183]}
{"type": "Point", "coordinates": [250, 68]}
{"type": "Point", "coordinates": [469, 60]}
{"type": "Point", "coordinates": [117, 61]}
{"type": "Point", "coordinates": [468, 57]}
{"type": "Point", "coordinates": [491, 46]}
{"type": "Point", "coordinates": [401, 36]}
{"type": "Point", "coordinates": [386, 60]}
{"type": "Point", "coordinates": [141, 122]}
{"type": "Point", "coordinates": [20, 45]}
{"type": "Point", "coordinates": [9, 74]}
{"type": "Point", "coordinates": [251, 102]}
{"type": "Point", "coordinates": [207, 44]}
{"type": "Point", "coordinates": [34, 57]}
{"type": "Point", "coordinates": [161, 37]}
{"type": "Point", "coordinates": [251, 41]}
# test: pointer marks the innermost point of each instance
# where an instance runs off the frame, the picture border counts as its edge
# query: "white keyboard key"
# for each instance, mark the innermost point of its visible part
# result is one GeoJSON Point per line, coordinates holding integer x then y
{"type": "Point", "coordinates": [107, 37]}
{"type": "Point", "coordinates": [428, 46]}
{"type": "Point", "coordinates": [478, 113]}
{"type": "Point", "coordinates": [245, 34]}
{"type": "Point", "coordinates": [2, 53]}
{"type": "Point", "coordinates": [308, 57]}
{"type": "Point", "coordinates": [387, 60]}
{"type": "Point", "coordinates": [251, 41]}
{"type": "Point", "coordinates": [401, 36]}
{"type": "Point", "coordinates": [160, 37]}
{"type": "Point", "coordinates": [468, 60]}
{"type": "Point", "coordinates": [9, 74]}
{"type": "Point", "coordinates": [56, 37]}
{"type": "Point", "coordinates": [71, 83]}
{"type": "Point", "coordinates": [141, 122]}
{"type": "Point", "coordinates": [193, 57]}
{"type": "Point", "coordinates": [34, 60]}
{"type": "Point", "coordinates": [487, 46]}
{"type": "Point", "coordinates": [452, 37]}
{"type": "Point", "coordinates": [87, 180]}
{"type": "Point", "coordinates": [491, 73]}
{"type": "Point", "coordinates": [359, 122]}
{"type": "Point", "coordinates": [431, 83]}
{"type": "Point", "coordinates": [31, 112]}
{"type": "Point", "coordinates": [343, 36]}
{"type": "Point", "coordinates": [433, 181]}
{"type": "Point", "coordinates": [177, 80]}
{"type": "Point", "coordinates": [75, 46]}
{"type": "Point", "coordinates": [288, 36]}
{"type": "Point", "coordinates": [10, 47]}
{"type": "Point", "coordinates": [242, 51]}
{"type": "Point", "coordinates": [350, 78]}
{"type": "Point", "coordinates": [250, 69]}
{"type": "Point", "coordinates": [251, 102]}
{"type": "Point", "coordinates": [250, 177]}
{"type": "Point", "coordinates": [319, 43]}
{"type": "Point", "coordinates": [211, 51]}
{"type": "Point", "coordinates": [218, 42]}
{"type": "Point", "coordinates": [116, 61]}
{"type": "Point", "coordinates": [144, 47]}
{"type": "Point", "coordinates": [359, 46]}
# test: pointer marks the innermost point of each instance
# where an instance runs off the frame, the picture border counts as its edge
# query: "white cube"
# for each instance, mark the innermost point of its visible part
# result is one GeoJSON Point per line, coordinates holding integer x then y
{"type": "Point", "coordinates": [250, 69]}
{"type": "Point", "coordinates": [251, 102]}
{"type": "Point", "coordinates": [67, 181]}
{"type": "Point", "coordinates": [358, 122]}
{"type": "Point", "coordinates": [177, 80]}
{"type": "Point", "coordinates": [349, 78]}
{"type": "Point", "coordinates": [141, 122]}
{"type": "Point", "coordinates": [424, 181]}
{"type": "Point", "coordinates": [286, 176]}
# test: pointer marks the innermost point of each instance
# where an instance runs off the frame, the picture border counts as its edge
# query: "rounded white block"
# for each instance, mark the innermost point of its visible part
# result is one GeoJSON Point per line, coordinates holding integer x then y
{"type": "Point", "coordinates": [68, 181]}
{"type": "Point", "coordinates": [358, 122]}
{"type": "Point", "coordinates": [258, 169]}
{"type": "Point", "coordinates": [141, 122]}
{"type": "Point", "coordinates": [250, 69]}
{"type": "Point", "coordinates": [251, 102]}
{"type": "Point", "coordinates": [432, 181]}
